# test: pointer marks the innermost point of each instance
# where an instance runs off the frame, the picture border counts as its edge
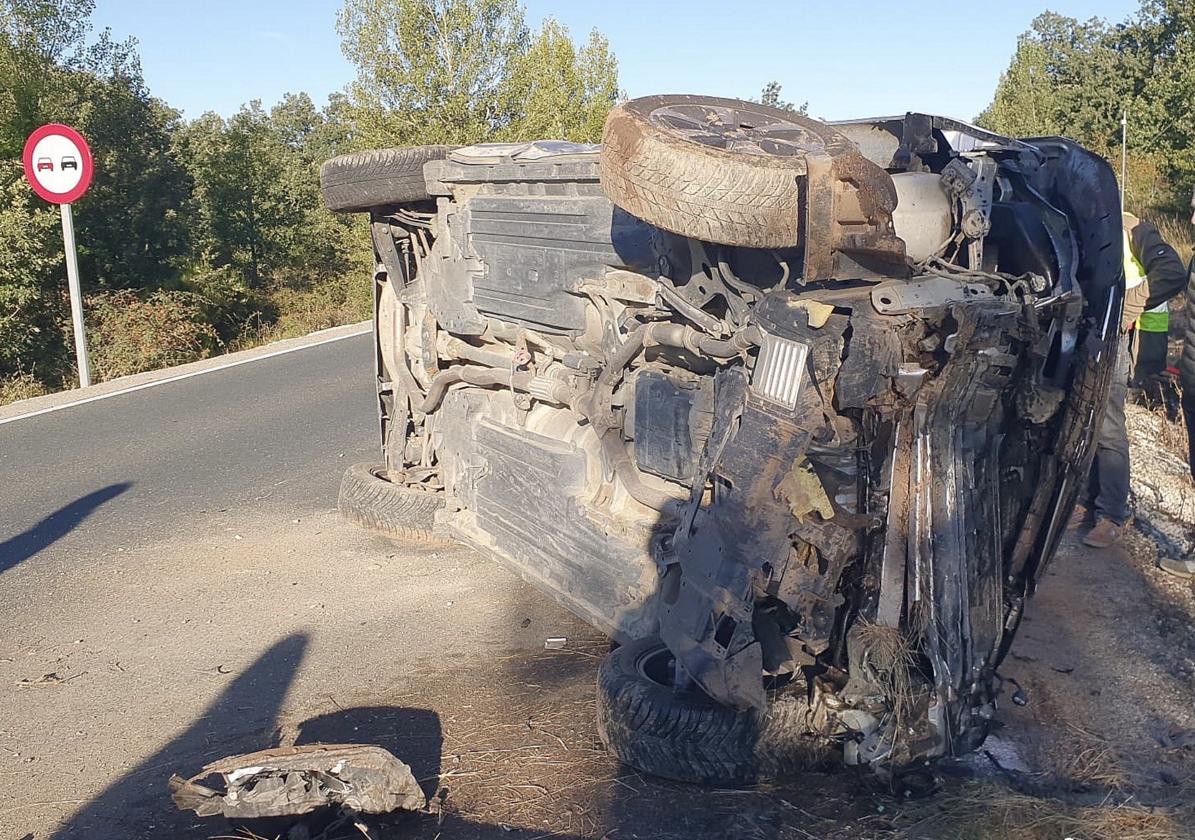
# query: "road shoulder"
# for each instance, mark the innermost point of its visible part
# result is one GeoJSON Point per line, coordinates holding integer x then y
{"type": "Point", "coordinates": [65, 399]}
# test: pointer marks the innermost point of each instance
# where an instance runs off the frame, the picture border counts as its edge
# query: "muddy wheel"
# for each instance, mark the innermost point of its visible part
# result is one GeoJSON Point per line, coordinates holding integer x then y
{"type": "Point", "coordinates": [403, 513]}
{"type": "Point", "coordinates": [688, 737]}
{"type": "Point", "coordinates": [718, 170]}
{"type": "Point", "coordinates": [363, 180]}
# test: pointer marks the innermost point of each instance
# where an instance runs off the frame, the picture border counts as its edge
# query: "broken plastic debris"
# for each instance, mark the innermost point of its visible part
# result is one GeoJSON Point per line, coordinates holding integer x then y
{"type": "Point", "coordinates": [555, 643]}
{"type": "Point", "coordinates": [804, 492]}
{"type": "Point", "coordinates": [291, 781]}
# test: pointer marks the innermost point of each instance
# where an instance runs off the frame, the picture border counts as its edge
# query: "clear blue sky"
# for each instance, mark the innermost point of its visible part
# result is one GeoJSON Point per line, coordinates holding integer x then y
{"type": "Point", "coordinates": [847, 58]}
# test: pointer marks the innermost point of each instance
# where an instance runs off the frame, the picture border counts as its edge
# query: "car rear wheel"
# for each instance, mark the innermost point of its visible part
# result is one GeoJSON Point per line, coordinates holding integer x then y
{"type": "Point", "coordinates": [685, 735]}
{"type": "Point", "coordinates": [363, 180]}
{"type": "Point", "coordinates": [394, 510]}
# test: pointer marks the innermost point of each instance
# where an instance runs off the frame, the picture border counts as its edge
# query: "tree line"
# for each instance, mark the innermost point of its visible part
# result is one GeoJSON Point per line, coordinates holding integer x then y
{"type": "Point", "coordinates": [1077, 78]}
{"type": "Point", "coordinates": [209, 233]}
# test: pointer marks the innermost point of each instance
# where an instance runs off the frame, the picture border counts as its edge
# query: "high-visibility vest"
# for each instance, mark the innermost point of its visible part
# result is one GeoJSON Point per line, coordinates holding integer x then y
{"type": "Point", "coordinates": [1156, 320]}
{"type": "Point", "coordinates": [1134, 271]}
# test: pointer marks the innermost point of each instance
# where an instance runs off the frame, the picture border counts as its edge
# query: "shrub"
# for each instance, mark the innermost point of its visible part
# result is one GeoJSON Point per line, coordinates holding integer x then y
{"type": "Point", "coordinates": [20, 386]}
{"type": "Point", "coordinates": [230, 305]}
{"type": "Point", "coordinates": [128, 333]}
{"type": "Point", "coordinates": [32, 288]}
{"type": "Point", "coordinates": [318, 306]}
{"type": "Point", "coordinates": [329, 303]}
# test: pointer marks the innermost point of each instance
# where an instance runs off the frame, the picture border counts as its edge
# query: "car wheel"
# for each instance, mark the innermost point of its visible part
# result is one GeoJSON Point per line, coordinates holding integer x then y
{"type": "Point", "coordinates": [364, 180]}
{"type": "Point", "coordinates": [688, 737]}
{"type": "Point", "coordinates": [403, 513]}
{"type": "Point", "coordinates": [721, 170]}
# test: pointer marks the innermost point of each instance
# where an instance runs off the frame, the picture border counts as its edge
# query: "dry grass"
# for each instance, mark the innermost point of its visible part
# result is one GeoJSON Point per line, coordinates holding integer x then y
{"type": "Point", "coordinates": [1176, 230]}
{"type": "Point", "coordinates": [1171, 434]}
{"type": "Point", "coordinates": [991, 811]}
{"type": "Point", "coordinates": [20, 386]}
{"type": "Point", "coordinates": [1088, 791]}
{"type": "Point", "coordinates": [890, 654]}
{"type": "Point", "coordinates": [332, 303]}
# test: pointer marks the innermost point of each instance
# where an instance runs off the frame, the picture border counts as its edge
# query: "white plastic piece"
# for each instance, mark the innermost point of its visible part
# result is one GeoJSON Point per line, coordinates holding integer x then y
{"type": "Point", "coordinates": [922, 216]}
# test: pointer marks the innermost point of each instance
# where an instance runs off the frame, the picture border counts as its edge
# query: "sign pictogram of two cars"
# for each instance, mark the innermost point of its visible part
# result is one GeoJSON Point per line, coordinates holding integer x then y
{"type": "Point", "coordinates": [45, 164]}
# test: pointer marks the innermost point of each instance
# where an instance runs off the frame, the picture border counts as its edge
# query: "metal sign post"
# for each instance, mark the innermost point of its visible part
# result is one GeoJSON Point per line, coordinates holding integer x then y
{"type": "Point", "coordinates": [1124, 156]}
{"type": "Point", "coordinates": [58, 166]}
{"type": "Point", "coordinates": [72, 282]}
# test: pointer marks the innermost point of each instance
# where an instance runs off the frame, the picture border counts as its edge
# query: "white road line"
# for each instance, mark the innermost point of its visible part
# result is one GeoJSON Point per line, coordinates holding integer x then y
{"type": "Point", "coordinates": [170, 379]}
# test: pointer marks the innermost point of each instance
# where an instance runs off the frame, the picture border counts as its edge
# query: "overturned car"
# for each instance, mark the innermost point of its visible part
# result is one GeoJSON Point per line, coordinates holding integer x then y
{"type": "Point", "coordinates": [794, 411]}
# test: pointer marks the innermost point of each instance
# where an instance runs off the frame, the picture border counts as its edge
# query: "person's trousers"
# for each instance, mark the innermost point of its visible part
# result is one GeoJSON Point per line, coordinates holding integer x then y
{"type": "Point", "coordinates": [1110, 470]}
{"type": "Point", "coordinates": [1188, 404]}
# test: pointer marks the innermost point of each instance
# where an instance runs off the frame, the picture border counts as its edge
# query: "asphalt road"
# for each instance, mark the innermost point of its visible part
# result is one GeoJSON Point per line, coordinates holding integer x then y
{"type": "Point", "coordinates": [114, 473]}
{"type": "Point", "coordinates": [176, 587]}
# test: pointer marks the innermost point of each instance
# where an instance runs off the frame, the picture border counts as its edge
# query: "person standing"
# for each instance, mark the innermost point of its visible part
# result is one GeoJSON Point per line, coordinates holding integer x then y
{"type": "Point", "coordinates": [1153, 274]}
{"type": "Point", "coordinates": [1186, 369]}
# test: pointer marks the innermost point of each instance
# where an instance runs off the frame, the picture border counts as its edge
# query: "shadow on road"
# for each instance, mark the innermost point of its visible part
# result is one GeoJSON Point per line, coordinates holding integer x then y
{"type": "Point", "coordinates": [242, 719]}
{"type": "Point", "coordinates": [55, 526]}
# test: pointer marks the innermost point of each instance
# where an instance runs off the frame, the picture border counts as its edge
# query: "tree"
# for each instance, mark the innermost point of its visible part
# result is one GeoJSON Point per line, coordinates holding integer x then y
{"type": "Point", "coordinates": [132, 232]}
{"type": "Point", "coordinates": [1067, 77]}
{"type": "Point", "coordinates": [129, 230]}
{"type": "Point", "coordinates": [557, 91]}
{"type": "Point", "coordinates": [256, 204]}
{"type": "Point", "coordinates": [770, 96]}
{"type": "Point", "coordinates": [1077, 78]}
{"type": "Point", "coordinates": [37, 39]}
{"type": "Point", "coordinates": [1162, 122]}
{"type": "Point", "coordinates": [466, 71]}
{"type": "Point", "coordinates": [1026, 99]}
{"type": "Point", "coordinates": [31, 309]}
{"type": "Point", "coordinates": [429, 71]}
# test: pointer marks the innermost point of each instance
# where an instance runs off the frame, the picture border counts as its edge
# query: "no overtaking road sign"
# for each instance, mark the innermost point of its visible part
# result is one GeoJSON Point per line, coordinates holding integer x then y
{"type": "Point", "coordinates": [58, 166]}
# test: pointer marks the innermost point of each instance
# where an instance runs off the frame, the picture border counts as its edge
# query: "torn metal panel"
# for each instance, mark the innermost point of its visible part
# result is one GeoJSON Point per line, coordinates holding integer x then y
{"type": "Point", "coordinates": [291, 781]}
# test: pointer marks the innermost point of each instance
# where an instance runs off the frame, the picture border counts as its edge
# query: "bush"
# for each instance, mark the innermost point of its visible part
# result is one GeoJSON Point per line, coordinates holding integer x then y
{"type": "Point", "coordinates": [230, 306]}
{"type": "Point", "coordinates": [128, 333]}
{"type": "Point", "coordinates": [329, 303]}
{"type": "Point", "coordinates": [32, 288]}
{"type": "Point", "coordinates": [20, 386]}
{"type": "Point", "coordinates": [319, 306]}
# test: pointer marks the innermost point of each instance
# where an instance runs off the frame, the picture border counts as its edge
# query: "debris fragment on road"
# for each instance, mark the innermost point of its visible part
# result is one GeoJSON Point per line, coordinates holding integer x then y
{"type": "Point", "coordinates": [292, 781]}
{"type": "Point", "coordinates": [555, 643]}
{"type": "Point", "coordinates": [53, 678]}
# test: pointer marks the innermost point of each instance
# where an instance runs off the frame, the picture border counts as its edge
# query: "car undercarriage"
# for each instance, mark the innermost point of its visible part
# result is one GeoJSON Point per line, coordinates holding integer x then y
{"type": "Point", "coordinates": [795, 412]}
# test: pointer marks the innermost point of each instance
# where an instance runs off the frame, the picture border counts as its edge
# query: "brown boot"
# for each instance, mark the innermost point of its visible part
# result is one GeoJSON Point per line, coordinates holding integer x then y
{"type": "Point", "coordinates": [1178, 568]}
{"type": "Point", "coordinates": [1105, 533]}
{"type": "Point", "coordinates": [1080, 516]}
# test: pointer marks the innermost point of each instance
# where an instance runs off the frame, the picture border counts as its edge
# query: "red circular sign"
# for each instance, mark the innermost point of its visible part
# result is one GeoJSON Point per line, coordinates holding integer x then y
{"type": "Point", "coordinates": [58, 163]}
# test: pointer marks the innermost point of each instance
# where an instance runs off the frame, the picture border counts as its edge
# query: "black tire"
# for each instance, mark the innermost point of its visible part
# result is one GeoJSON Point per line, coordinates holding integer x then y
{"type": "Point", "coordinates": [363, 180]}
{"type": "Point", "coordinates": [655, 170]}
{"type": "Point", "coordinates": [688, 737]}
{"type": "Point", "coordinates": [403, 513]}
